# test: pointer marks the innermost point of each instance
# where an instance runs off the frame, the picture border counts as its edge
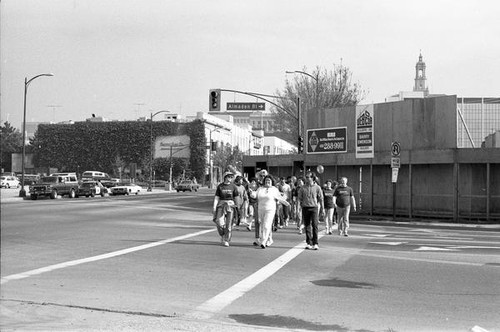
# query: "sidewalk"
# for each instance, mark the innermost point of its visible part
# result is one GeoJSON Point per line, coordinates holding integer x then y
{"type": "Point", "coordinates": [12, 194]}
{"type": "Point", "coordinates": [421, 222]}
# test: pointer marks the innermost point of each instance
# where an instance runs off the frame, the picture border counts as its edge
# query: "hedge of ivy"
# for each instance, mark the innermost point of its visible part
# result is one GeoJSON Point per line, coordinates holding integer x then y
{"type": "Point", "coordinates": [104, 146]}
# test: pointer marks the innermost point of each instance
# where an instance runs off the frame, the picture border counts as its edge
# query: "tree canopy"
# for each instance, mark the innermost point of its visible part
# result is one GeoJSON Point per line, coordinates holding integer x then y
{"type": "Point", "coordinates": [11, 141]}
{"type": "Point", "coordinates": [321, 89]}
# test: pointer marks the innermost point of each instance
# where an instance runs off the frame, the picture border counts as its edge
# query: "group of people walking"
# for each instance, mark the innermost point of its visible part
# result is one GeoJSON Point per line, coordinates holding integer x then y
{"type": "Point", "coordinates": [268, 205]}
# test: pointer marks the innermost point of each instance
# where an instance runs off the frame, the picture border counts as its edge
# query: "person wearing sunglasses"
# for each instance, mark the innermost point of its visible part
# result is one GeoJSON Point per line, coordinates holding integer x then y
{"type": "Point", "coordinates": [310, 196]}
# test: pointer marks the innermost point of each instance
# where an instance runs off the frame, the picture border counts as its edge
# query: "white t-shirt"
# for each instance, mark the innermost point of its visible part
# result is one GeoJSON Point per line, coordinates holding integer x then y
{"type": "Point", "coordinates": [266, 198]}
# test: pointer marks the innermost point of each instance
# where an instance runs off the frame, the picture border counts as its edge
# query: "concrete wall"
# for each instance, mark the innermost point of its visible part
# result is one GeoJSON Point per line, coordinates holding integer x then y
{"type": "Point", "coordinates": [417, 124]}
{"type": "Point", "coordinates": [436, 179]}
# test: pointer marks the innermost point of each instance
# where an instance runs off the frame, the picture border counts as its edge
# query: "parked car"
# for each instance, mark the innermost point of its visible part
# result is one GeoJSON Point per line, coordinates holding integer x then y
{"type": "Point", "coordinates": [91, 188]}
{"type": "Point", "coordinates": [187, 185]}
{"type": "Point", "coordinates": [30, 179]}
{"type": "Point", "coordinates": [125, 189]}
{"type": "Point", "coordinates": [55, 185]}
{"type": "Point", "coordinates": [9, 181]}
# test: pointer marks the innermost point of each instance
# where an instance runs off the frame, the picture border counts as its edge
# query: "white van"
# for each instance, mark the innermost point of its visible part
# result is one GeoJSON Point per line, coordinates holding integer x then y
{"type": "Point", "coordinates": [95, 175]}
{"type": "Point", "coordinates": [64, 174]}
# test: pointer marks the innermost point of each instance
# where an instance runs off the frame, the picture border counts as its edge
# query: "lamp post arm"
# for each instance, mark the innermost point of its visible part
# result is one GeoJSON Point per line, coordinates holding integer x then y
{"type": "Point", "coordinates": [303, 73]}
{"type": "Point", "coordinates": [27, 82]}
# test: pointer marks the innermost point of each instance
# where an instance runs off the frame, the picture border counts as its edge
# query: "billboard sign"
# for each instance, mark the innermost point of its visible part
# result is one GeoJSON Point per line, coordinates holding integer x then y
{"type": "Point", "coordinates": [327, 140]}
{"type": "Point", "coordinates": [364, 131]}
{"type": "Point", "coordinates": [167, 146]}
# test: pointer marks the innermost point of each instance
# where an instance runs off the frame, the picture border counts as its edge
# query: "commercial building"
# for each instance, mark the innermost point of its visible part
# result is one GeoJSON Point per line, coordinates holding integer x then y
{"type": "Point", "coordinates": [436, 177]}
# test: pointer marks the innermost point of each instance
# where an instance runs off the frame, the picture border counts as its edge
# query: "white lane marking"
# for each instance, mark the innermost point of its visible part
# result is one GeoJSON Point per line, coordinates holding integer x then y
{"type": "Point", "coordinates": [389, 243]}
{"type": "Point", "coordinates": [377, 235]}
{"type": "Point", "coordinates": [473, 247]}
{"type": "Point", "coordinates": [478, 329]}
{"type": "Point", "coordinates": [424, 248]}
{"type": "Point", "coordinates": [390, 255]}
{"type": "Point", "coordinates": [98, 257]}
{"type": "Point", "coordinates": [209, 308]}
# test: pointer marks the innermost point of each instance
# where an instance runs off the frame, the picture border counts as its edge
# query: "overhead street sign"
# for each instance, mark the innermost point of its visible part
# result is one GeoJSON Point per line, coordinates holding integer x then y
{"type": "Point", "coordinates": [327, 140]}
{"type": "Point", "coordinates": [246, 106]}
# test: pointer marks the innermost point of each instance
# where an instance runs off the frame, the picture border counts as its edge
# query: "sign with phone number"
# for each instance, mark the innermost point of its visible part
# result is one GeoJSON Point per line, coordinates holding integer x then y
{"type": "Point", "coordinates": [327, 140]}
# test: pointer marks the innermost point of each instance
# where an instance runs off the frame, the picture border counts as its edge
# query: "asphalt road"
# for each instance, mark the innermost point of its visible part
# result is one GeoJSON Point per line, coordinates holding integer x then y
{"type": "Point", "coordinates": [154, 262]}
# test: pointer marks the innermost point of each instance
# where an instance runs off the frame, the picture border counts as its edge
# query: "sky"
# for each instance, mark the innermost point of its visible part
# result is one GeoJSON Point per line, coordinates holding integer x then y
{"type": "Point", "coordinates": [124, 59]}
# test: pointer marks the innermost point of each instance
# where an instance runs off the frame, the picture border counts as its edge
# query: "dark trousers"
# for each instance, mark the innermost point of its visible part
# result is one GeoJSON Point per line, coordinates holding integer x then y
{"type": "Point", "coordinates": [256, 221]}
{"type": "Point", "coordinates": [310, 219]}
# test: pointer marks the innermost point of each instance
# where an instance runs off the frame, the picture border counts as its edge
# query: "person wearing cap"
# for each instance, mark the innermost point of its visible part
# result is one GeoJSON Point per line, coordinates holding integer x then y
{"type": "Point", "coordinates": [223, 207]}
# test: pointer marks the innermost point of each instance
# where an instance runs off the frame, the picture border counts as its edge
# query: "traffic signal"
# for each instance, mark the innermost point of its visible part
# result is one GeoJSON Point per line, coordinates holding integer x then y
{"type": "Point", "coordinates": [214, 100]}
{"type": "Point", "coordinates": [300, 145]}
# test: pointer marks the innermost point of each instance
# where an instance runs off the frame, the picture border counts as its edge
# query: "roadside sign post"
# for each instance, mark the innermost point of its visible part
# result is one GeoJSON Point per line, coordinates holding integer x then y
{"type": "Point", "coordinates": [395, 165]}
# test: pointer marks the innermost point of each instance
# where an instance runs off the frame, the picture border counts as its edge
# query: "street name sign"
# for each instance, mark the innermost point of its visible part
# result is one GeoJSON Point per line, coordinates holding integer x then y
{"type": "Point", "coordinates": [327, 140]}
{"type": "Point", "coordinates": [246, 106]}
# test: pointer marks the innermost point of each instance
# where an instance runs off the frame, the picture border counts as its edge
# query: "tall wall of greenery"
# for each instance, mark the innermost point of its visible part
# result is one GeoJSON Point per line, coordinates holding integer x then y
{"type": "Point", "coordinates": [105, 146]}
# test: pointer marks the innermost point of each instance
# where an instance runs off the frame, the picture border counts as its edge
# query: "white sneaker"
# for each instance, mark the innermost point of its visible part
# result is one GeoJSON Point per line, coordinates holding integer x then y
{"type": "Point", "coordinates": [315, 247]}
{"type": "Point", "coordinates": [226, 244]}
{"type": "Point", "coordinates": [309, 247]}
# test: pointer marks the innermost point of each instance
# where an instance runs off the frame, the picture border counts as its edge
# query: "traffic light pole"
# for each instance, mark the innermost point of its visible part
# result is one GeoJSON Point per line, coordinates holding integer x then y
{"type": "Point", "coordinates": [261, 96]}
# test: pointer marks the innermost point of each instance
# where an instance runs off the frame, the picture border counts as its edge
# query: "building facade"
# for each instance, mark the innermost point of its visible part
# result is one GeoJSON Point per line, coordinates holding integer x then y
{"type": "Point", "coordinates": [477, 117]}
{"type": "Point", "coordinates": [436, 178]}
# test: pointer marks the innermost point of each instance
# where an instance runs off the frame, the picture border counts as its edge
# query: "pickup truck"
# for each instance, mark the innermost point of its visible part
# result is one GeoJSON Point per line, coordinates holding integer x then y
{"type": "Point", "coordinates": [53, 186]}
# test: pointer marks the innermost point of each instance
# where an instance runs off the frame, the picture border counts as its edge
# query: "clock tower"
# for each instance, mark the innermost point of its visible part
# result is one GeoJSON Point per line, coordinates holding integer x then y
{"type": "Point", "coordinates": [420, 76]}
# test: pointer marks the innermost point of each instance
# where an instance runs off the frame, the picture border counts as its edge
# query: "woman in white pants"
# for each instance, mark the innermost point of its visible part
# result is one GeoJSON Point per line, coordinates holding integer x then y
{"type": "Point", "coordinates": [267, 197]}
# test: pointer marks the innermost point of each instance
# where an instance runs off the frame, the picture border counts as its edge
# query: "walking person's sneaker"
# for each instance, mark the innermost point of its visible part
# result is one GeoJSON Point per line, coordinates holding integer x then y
{"type": "Point", "coordinates": [315, 247]}
{"type": "Point", "coordinates": [226, 244]}
{"type": "Point", "coordinates": [309, 247]}
{"type": "Point", "coordinates": [249, 227]}
{"type": "Point", "coordinates": [345, 234]}
{"type": "Point", "coordinates": [255, 243]}
{"type": "Point", "coordinates": [263, 246]}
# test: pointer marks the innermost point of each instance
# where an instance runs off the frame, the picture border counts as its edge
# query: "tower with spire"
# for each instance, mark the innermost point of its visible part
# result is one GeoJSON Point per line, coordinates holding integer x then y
{"type": "Point", "coordinates": [420, 77]}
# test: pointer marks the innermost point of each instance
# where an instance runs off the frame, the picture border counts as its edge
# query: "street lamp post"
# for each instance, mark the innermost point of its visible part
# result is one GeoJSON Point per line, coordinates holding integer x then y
{"type": "Point", "coordinates": [22, 192]}
{"type": "Point", "coordinates": [150, 187]}
{"type": "Point", "coordinates": [316, 79]}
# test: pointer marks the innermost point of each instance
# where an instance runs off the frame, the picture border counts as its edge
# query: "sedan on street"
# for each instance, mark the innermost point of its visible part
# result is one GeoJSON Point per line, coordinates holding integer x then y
{"type": "Point", "coordinates": [125, 189]}
{"type": "Point", "coordinates": [9, 182]}
{"type": "Point", "coordinates": [187, 185]}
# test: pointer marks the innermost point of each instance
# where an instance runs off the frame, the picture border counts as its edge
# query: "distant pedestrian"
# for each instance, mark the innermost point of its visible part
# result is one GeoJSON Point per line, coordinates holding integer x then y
{"type": "Point", "coordinates": [310, 196]}
{"type": "Point", "coordinates": [240, 201]}
{"type": "Point", "coordinates": [252, 219]}
{"type": "Point", "coordinates": [286, 191]}
{"type": "Point", "coordinates": [298, 208]}
{"type": "Point", "coordinates": [267, 197]}
{"type": "Point", "coordinates": [223, 207]}
{"type": "Point", "coordinates": [328, 205]}
{"type": "Point", "coordinates": [343, 198]}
